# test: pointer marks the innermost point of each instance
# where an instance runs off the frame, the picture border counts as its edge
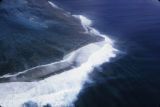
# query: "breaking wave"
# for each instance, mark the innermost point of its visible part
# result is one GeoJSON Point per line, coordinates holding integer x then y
{"type": "Point", "coordinates": [61, 90]}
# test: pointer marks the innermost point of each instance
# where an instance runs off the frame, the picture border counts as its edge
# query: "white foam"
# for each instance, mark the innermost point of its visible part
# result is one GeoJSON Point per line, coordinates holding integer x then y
{"type": "Point", "coordinates": [53, 5]}
{"type": "Point", "coordinates": [61, 89]}
{"type": "Point", "coordinates": [84, 21]}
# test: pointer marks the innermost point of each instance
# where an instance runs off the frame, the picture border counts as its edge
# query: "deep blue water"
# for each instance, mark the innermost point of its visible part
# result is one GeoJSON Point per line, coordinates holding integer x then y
{"type": "Point", "coordinates": [23, 39]}
{"type": "Point", "coordinates": [133, 78]}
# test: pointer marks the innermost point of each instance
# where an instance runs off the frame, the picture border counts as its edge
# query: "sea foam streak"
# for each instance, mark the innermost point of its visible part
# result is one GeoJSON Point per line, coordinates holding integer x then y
{"type": "Point", "coordinates": [53, 5]}
{"type": "Point", "coordinates": [62, 89]}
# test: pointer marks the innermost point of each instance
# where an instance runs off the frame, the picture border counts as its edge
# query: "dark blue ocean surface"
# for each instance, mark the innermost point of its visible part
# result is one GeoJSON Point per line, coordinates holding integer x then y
{"type": "Point", "coordinates": [133, 78]}
{"type": "Point", "coordinates": [34, 33]}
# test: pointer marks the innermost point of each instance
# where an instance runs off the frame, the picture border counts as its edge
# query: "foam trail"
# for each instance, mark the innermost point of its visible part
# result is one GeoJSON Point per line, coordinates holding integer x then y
{"type": "Point", "coordinates": [53, 5]}
{"type": "Point", "coordinates": [62, 89]}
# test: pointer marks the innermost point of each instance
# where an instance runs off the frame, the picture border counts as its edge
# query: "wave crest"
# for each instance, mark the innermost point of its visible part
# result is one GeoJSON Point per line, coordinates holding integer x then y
{"type": "Point", "coordinates": [61, 89]}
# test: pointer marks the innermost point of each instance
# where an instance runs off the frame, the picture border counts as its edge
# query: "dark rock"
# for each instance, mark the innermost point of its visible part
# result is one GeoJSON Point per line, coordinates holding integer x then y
{"type": "Point", "coordinates": [30, 104]}
{"type": "Point", "coordinates": [47, 105]}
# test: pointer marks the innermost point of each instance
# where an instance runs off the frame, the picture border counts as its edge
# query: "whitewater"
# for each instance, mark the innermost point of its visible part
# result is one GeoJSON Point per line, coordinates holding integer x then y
{"type": "Point", "coordinates": [61, 90]}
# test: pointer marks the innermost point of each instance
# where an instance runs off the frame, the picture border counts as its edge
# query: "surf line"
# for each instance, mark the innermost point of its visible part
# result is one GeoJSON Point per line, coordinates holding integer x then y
{"type": "Point", "coordinates": [61, 89]}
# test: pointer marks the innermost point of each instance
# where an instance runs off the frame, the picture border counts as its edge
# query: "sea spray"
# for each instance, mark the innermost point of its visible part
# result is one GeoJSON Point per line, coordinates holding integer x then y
{"type": "Point", "coordinates": [61, 89]}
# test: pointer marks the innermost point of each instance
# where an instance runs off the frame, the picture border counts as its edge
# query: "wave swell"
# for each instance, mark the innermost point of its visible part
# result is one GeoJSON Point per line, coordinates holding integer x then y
{"type": "Point", "coordinates": [61, 89]}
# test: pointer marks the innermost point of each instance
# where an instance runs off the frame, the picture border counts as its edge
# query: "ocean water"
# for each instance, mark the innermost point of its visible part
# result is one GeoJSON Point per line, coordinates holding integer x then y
{"type": "Point", "coordinates": [132, 78]}
{"type": "Point", "coordinates": [54, 83]}
{"type": "Point", "coordinates": [35, 33]}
